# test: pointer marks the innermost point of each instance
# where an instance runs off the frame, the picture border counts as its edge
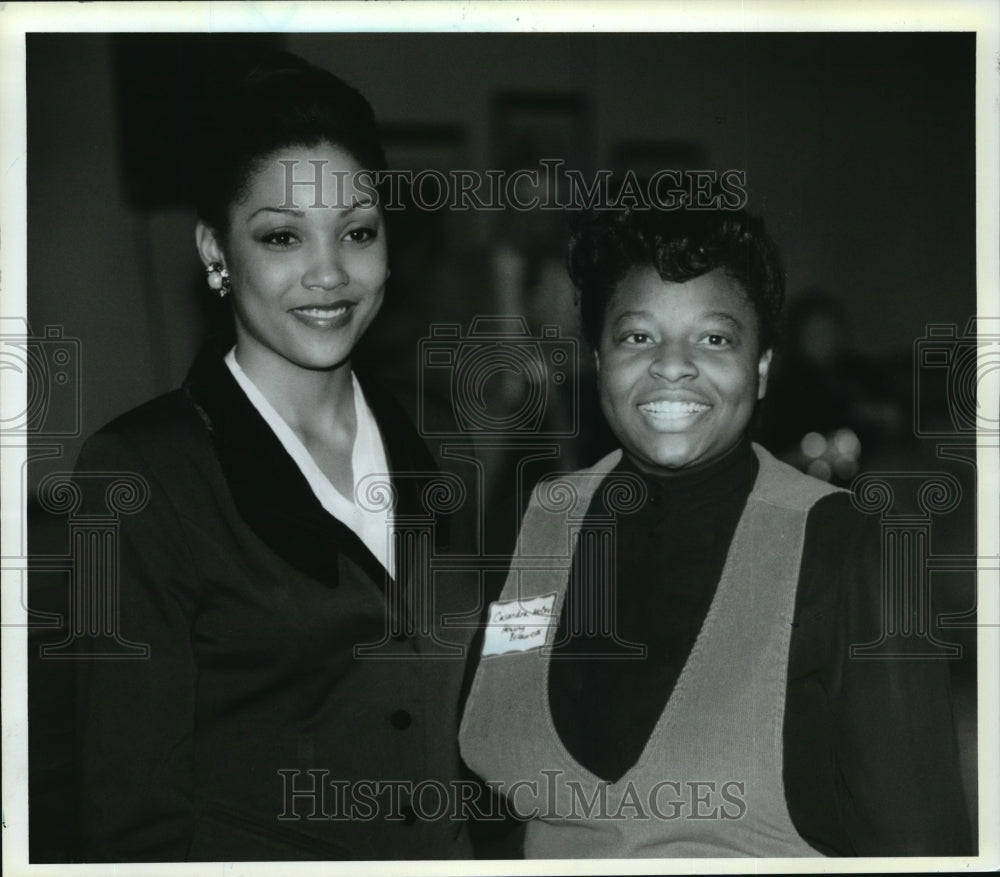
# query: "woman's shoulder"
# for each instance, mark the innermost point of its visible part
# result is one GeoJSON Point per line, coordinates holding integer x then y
{"type": "Point", "coordinates": [841, 568]}
{"type": "Point", "coordinates": [154, 431]}
{"type": "Point", "coordinates": [833, 518]}
{"type": "Point", "coordinates": [783, 485]}
{"type": "Point", "coordinates": [571, 492]}
{"type": "Point", "coordinates": [181, 422]}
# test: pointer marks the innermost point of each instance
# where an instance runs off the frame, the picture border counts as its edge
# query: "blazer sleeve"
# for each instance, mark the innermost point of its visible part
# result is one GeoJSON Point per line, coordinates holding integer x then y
{"type": "Point", "coordinates": [136, 716]}
{"type": "Point", "coordinates": [900, 788]}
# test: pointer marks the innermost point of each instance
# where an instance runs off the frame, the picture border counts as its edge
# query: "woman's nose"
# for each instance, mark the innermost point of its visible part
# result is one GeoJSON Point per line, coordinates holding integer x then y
{"type": "Point", "coordinates": [326, 269]}
{"type": "Point", "coordinates": [672, 362]}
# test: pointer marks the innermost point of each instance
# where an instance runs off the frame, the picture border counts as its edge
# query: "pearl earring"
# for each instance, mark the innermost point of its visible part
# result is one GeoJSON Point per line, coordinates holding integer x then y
{"type": "Point", "coordinates": [218, 278]}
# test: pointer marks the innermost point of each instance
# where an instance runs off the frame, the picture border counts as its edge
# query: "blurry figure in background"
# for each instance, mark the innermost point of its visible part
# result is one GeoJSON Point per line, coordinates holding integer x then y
{"type": "Point", "coordinates": [829, 409]}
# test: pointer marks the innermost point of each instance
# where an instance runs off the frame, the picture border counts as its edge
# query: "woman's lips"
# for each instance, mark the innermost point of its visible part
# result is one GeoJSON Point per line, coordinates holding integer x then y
{"type": "Point", "coordinates": [324, 316]}
{"type": "Point", "coordinates": [672, 413]}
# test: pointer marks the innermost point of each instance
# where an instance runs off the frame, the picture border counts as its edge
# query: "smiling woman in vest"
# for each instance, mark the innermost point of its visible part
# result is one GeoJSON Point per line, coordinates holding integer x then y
{"type": "Point", "coordinates": [256, 573]}
{"type": "Point", "coordinates": [667, 671]}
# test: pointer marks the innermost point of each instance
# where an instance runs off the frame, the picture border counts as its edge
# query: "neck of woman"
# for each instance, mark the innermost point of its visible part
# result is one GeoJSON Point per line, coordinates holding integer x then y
{"type": "Point", "coordinates": [313, 402]}
{"type": "Point", "coordinates": [733, 471]}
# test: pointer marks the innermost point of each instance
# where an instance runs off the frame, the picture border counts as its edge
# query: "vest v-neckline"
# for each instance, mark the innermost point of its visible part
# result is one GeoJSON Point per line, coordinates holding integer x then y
{"type": "Point", "coordinates": [680, 692]}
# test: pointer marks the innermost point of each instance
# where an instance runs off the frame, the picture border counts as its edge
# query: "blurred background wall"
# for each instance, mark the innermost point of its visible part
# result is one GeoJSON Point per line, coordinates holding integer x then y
{"type": "Point", "coordinates": [858, 151]}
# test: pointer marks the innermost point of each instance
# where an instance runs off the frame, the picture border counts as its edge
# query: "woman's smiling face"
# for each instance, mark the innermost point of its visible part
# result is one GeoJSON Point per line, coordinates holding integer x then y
{"type": "Point", "coordinates": [679, 366]}
{"type": "Point", "coordinates": [306, 280]}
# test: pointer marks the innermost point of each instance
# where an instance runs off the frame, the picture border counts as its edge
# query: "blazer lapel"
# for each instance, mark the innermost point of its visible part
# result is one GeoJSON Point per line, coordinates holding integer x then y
{"type": "Point", "coordinates": [412, 467]}
{"type": "Point", "coordinates": [406, 453]}
{"type": "Point", "coordinates": [270, 492]}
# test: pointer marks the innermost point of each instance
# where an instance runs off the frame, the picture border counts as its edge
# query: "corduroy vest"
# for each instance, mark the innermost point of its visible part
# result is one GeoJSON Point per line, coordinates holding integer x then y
{"type": "Point", "coordinates": [709, 780]}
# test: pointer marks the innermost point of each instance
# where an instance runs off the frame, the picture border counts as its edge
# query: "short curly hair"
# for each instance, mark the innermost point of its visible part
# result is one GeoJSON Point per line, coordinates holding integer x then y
{"type": "Point", "coordinates": [680, 245]}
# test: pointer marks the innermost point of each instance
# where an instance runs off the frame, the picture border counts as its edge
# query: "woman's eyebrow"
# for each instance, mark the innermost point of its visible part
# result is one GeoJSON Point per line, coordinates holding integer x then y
{"type": "Point", "coordinates": [358, 204]}
{"type": "Point", "coordinates": [625, 315]}
{"type": "Point", "coordinates": [725, 317]}
{"type": "Point", "coordinates": [287, 211]}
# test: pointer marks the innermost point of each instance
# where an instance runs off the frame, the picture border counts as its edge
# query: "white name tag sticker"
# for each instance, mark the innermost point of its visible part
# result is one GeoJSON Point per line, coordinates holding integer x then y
{"type": "Point", "coordinates": [518, 625]}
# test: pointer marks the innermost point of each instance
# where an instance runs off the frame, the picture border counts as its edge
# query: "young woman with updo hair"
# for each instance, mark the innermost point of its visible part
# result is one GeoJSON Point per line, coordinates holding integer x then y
{"type": "Point", "coordinates": [259, 727]}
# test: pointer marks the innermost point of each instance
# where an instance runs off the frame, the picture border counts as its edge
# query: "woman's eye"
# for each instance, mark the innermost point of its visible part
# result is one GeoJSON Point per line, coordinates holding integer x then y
{"type": "Point", "coordinates": [714, 340]}
{"type": "Point", "coordinates": [361, 235]}
{"type": "Point", "coordinates": [279, 238]}
{"type": "Point", "coordinates": [635, 338]}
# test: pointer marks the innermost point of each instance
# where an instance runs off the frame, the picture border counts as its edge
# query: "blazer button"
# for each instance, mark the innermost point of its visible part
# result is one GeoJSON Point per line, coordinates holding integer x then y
{"type": "Point", "coordinates": [401, 720]}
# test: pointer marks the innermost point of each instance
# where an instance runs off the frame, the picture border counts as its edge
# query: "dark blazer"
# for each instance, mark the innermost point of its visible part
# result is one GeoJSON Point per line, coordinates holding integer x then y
{"type": "Point", "coordinates": [253, 731]}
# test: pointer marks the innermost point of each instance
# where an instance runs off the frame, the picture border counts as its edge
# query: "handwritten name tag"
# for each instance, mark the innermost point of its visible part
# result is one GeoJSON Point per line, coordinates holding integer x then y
{"type": "Point", "coordinates": [518, 625]}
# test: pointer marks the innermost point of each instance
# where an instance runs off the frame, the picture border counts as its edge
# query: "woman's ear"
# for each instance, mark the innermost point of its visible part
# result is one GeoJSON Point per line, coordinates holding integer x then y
{"type": "Point", "coordinates": [763, 370]}
{"type": "Point", "coordinates": [207, 241]}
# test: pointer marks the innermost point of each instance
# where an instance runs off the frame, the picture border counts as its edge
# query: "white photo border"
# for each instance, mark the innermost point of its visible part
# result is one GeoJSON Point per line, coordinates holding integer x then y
{"type": "Point", "coordinates": [16, 20]}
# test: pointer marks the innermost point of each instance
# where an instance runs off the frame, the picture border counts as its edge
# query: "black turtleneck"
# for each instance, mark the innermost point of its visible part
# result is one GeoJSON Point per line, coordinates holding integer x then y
{"type": "Point", "coordinates": [605, 709]}
{"type": "Point", "coordinates": [865, 772]}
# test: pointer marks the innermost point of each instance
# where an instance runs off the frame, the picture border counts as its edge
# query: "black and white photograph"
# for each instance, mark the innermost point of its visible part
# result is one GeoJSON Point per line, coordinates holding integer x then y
{"type": "Point", "coordinates": [499, 438]}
